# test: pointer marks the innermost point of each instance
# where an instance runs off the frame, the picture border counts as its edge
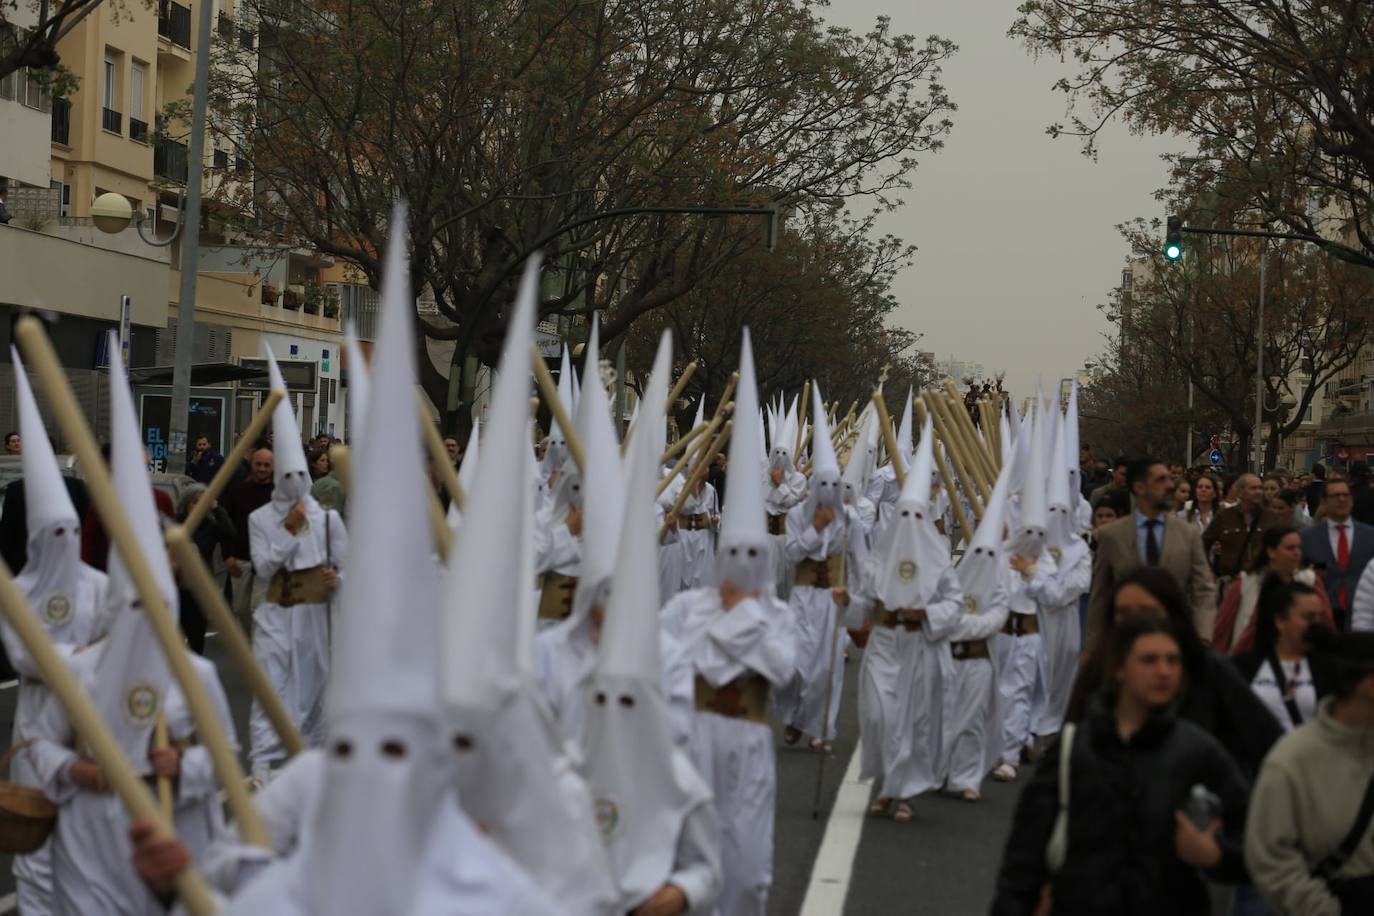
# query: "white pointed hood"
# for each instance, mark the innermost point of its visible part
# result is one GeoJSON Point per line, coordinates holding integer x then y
{"type": "Point", "coordinates": [1028, 537]}
{"type": "Point", "coordinates": [556, 449]}
{"type": "Point", "coordinates": [825, 487]}
{"type": "Point", "coordinates": [46, 500]}
{"type": "Point", "coordinates": [700, 418]}
{"type": "Point", "coordinates": [131, 674]}
{"type": "Point", "coordinates": [466, 473]}
{"type": "Point", "coordinates": [358, 386]}
{"type": "Point", "coordinates": [1062, 535]}
{"type": "Point", "coordinates": [643, 786]}
{"type": "Point", "coordinates": [744, 552]}
{"type": "Point", "coordinates": [372, 822]}
{"type": "Point", "coordinates": [983, 566]}
{"type": "Point", "coordinates": [784, 440]}
{"type": "Point", "coordinates": [911, 554]}
{"type": "Point", "coordinates": [290, 471]}
{"type": "Point", "coordinates": [862, 458]}
{"type": "Point", "coordinates": [904, 430]}
{"type": "Point", "coordinates": [1071, 446]}
{"type": "Point", "coordinates": [603, 491]}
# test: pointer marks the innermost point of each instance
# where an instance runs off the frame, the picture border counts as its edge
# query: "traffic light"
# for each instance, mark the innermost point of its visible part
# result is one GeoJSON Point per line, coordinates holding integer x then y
{"type": "Point", "coordinates": [1173, 238]}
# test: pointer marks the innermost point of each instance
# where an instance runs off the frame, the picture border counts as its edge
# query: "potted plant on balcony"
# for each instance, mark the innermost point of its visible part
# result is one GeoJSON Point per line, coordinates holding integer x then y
{"type": "Point", "coordinates": [314, 298]}
{"type": "Point", "coordinates": [292, 297]}
{"type": "Point", "coordinates": [331, 302]}
{"type": "Point", "coordinates": [270, 294]}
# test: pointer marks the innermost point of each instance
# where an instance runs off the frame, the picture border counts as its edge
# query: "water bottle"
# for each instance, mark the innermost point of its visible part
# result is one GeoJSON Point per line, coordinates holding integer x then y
{"type": "Point", "coordinates": [1203, 807]}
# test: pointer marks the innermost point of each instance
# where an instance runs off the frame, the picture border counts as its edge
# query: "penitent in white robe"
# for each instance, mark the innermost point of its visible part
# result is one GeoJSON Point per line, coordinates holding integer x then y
{"type": "Point", "coordinates": [901, 681]}
{"type": "Point", "coordinates": [67, 601]}
{"type": "Point", "coordinates": [464, 874]}
{"type": "Point", "coordinates": [1018, 664]}
{"type": "Point", "coordinates": [91, 853]}
{"type": "Point", "coordinates": [778, 500]}
{"type": "Point", "coordinates": [734, 756]}
{"type": "Point", "coordinates": [973, 709]}
{"type": "Point", "coordinates": [292, 643]}
{"type": "Point", "coordinates": [1056, 591]}
{"type": "Point", "coordinates": [820, 642]}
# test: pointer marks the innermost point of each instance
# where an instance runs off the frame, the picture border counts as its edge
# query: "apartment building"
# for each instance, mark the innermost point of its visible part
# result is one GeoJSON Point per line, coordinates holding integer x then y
{"type": "Point", "coordinates": [109, 134]}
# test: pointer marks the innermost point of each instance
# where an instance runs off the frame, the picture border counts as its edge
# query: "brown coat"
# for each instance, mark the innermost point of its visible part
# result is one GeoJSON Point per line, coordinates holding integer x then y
{"type": "Point", "coordinates": [1236, 546]}
{"type": "Point", "coordinates": [1180, 554]}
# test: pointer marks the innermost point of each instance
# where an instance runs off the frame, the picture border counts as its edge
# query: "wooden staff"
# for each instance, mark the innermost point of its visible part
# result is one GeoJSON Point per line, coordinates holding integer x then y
{"type": "Point", "coordinates": [681, 384]}
{"type": "Point", "coordinates": [952, 434]}
{"type": "Point", "coordinates": [208, 595]}
{"type": "Point", "coordinates": [991, 428]}
{"type": "Point", "coordinates": [341, 456]}
{"type": "Point", "coordinates": [164, 785]}
{"type": "Point", "coordinates": [703, 442]}
{"type": "Point", "coordinates": [231, 463]}
{"type": "Point", "coordinates": [801, 421]}
{"type": "Point", "coordinates": [448, 474]}
{"type": "Point", "coordinates": [86, 721]}
{"type": "Point", "coordinates": [889, 437]}
{"type": "Point", "coordinates": [683, 441]}
{"type": "Point", "coordinates": [956, 502]}
{"type": "Point", "coordinates": [726, 395]}
{"type": "Point", "coordinates": [698, 472]}
{"type": "Point", "coordinates": [977, 449]}
{"type": "Point", "coordinates": [952, 447]}
{"type": "Point", "coordinates": [43, 360]}
{"type": "Point", "coordinates": [560, 413]}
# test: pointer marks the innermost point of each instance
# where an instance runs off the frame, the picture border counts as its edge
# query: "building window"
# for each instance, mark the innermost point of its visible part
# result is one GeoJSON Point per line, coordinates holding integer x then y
{"type": "Point", "coordinates": [110, 117]}
{"type": "Point", "coordinates": [109, 79]}
{"type": "Point", "coordinates": [137, 72]}
{"type": "Point", "coordinates": [9, 84]}
{"type": "Point", "coordinates": [37, 92]}
{"type": "Point", "coordinates": [221, 159]}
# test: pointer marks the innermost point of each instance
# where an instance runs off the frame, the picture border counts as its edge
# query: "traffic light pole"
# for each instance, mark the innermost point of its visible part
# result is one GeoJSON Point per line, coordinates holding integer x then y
{"type": "Point", "coordinates": [1335, 249]}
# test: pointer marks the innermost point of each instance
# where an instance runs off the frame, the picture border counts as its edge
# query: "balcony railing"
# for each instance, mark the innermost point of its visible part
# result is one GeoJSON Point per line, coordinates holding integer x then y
{"type": "Point", "coordinates": [61, 121]}
{"type": "Point", "coordinates": [138, 130]}
{"type": "Point", "coordinates": [169, 160]}
{"type": "Point", "coordinates": [112, 121]}
{"type": "Point", "coordinates": [174, 23]}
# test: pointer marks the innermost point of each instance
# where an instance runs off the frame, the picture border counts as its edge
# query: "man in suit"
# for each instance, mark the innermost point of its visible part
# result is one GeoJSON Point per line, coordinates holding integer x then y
{"type": "Point", "coordinates": [1340, 547]}
{"type": "Point", "coordinates": [1152, 535]}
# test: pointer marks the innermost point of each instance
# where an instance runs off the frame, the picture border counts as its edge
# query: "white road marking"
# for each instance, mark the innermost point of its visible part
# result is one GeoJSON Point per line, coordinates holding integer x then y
{"type": "Point", "coordinates": [6, 686]}
{"type": "Point", "coordinates": [829, 885]}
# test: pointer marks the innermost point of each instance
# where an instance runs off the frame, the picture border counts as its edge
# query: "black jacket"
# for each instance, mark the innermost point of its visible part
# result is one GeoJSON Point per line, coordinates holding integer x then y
{"type": "Point", "coordinates": [14, 521]}
{"type": "Point", "coordinates": [1216, 698]}
{"type": "Point", "coordinates": [1122, 799]}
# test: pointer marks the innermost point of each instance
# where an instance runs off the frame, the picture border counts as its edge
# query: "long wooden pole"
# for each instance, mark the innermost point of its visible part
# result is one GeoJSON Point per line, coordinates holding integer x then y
{"type": "Point", "coordinates": [341, 456]}
{"type": "Point", "coordinates": [448, 474]}
{"type": "Point", "coordinates": [703, 442]}
{"type": "Point", "coordinates": [682, 381]}
{"type": "Point", "coordinates": [683, 441]}
{"type": "Point", "coordinates": [947, 424]}
{"type": "Point", "coordinates": [164, 785]}
{"type": "Point", "coordinates": [725, 396]}
{"type": "Point", "coordinates": [556, 407]}
{"type": "Point", "coordinates": [801, 422]}
{"type": "Point", "coordinates": [976, 450]}
{"type": "Point", "coordinates": [966, 480]}
{"type": "Point", "coordinates": [231, 463]}
{"type": "Point", "coordinates": [889, 437]}
{"type": "Point", "coordinates": [86, 721]}
{"type": "Point", "coordinates": [39, 353]}
{"type": "Point", "coordinates": [207, 593]}
{"type": "Point", "coordinates": [956, 502]}
{"type": "Point", "coordinates": [698, 472]}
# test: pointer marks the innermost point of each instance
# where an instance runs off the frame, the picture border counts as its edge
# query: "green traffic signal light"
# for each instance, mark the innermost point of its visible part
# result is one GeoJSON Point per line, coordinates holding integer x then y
{"type": "Point", "coordinates": [1173, 238]}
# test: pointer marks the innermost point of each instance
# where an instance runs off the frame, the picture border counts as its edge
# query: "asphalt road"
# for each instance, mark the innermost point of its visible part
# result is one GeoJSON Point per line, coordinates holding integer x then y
{"type": "Point", "coordinates": [943, 862]}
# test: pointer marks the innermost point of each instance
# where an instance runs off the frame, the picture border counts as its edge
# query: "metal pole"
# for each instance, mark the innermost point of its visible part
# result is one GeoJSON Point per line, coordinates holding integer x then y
{"type": "Point", "coordinates": [1188, 449]}
{"type": "Point", "coordinates": [190, 252]}
{"type": "Point", "coordinates": [1259, 370]}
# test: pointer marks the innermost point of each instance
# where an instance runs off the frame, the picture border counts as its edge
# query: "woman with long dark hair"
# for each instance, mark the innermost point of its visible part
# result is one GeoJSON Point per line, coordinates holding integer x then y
{"type": "Point", "coordinates": [1214, 694]}
{"type": "Point", "coordinates": [1134, 767]}
{"type": "Point", "coordinates": [1287, 678]}
{"type": "Point", "coordinates": [1281, 559]}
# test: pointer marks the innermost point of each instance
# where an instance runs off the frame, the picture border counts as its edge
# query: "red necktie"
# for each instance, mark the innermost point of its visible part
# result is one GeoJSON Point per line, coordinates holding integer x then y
{"type": "Point", "coordinates": [1342, 561]}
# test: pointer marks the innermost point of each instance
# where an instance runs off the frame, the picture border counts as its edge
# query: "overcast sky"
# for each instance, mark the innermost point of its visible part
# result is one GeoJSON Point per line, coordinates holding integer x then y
{"type": "Point", "coordinates": [1015, 229]}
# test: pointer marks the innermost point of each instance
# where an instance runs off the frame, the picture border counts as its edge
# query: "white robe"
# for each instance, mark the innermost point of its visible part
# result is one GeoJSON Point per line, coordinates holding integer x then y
{"type": "Point", "coordinates": [972, 703]}
{"type": "Point", "coordinates": [820, 645]}
{"type": "Point", "coordinates": [83, 589]}
{"type": "Point", "coordinates": [778, 500]}
{"type": "Point", "coordinates": [91, 853]}
{"type": "Point", "coordinates": [1018, 665]}
{"type": "Point", "coordinates": [464, 874]}
{"type": "Point", "coordinates": [1056, 591]}
{"type": "Point", "coordinates": [734, 756]}
{"type": "Point", "coordinates": [901, 682]}
{"type": "Point", "coordinates": [292, 643]}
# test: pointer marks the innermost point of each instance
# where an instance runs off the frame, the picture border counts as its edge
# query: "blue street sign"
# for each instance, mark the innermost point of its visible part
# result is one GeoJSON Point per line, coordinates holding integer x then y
{"type": "Point", "coordinates": [1215, 457]}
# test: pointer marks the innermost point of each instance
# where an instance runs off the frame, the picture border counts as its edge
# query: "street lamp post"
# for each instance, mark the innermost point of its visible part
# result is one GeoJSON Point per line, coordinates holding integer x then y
{"type": "Point", "coordinates": [1259, 365]}
{"type": "Point", "coordinates": [190, 252]}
